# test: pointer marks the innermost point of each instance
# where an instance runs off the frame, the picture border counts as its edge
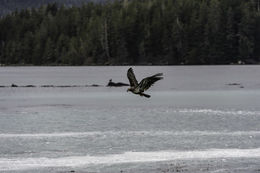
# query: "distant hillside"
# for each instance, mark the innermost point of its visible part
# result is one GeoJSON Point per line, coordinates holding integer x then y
{"type": "Point", "coordinates": [8, 6]}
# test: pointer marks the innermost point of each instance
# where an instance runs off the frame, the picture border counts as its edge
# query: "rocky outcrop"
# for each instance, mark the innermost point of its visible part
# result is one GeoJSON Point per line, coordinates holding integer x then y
{"type": "Point", "coordinates": [116, 84]}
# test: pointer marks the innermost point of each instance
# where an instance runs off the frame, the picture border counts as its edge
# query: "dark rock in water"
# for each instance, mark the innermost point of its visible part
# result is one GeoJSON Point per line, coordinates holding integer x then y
{"type": "Point", "coordinates": [59, 86]}
{"type": "Point", "coordinates": [13, 85]}
{"type": "Point", "coordinates": [63, 86]}
{"type": "Point", "coordinates": [118, 84]}
{"type": "Point", "coordinates": [67, 86]}
{"type": "Point", "coordinates": [234, 84]}
{"type": "Point", "coordinates": [47, 86]}
{"type": "Point", "coordinates": [95, 85]}
{"type": "Point", "coordinates": [30, 86]}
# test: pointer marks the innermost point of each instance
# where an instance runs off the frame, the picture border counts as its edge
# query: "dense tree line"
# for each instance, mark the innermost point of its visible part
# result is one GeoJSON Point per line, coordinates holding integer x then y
{"type": "Point", "coordinates": [7, 6]}
{"type": "Point", "coordinates": [134, 32]}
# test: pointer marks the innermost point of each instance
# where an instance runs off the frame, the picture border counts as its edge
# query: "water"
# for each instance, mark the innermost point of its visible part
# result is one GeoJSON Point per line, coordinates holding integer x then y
{"type": "Point", "coordinates": [197, 120]}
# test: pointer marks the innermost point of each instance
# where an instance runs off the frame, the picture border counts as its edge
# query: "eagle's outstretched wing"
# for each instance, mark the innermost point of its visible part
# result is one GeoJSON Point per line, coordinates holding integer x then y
{"type": "Point", "coordinates": [149, 81]}
{"type": "Point", "coordinates": [131, 78]}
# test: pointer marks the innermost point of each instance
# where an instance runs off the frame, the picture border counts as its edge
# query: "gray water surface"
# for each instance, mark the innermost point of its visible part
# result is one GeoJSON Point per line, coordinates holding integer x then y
{"type": "Point", "coordinates": [199, 119]}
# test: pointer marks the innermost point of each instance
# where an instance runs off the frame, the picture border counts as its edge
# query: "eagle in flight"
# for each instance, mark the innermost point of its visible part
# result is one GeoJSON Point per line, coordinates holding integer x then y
{"type": "Point", "coordinates": [139, 88]}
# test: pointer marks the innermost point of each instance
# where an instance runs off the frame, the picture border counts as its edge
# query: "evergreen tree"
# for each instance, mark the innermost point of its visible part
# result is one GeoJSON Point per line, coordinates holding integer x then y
{"type": "Point", "coordinates": [231, 37]}
{"type": "Point", "coordinates": [246, 34]}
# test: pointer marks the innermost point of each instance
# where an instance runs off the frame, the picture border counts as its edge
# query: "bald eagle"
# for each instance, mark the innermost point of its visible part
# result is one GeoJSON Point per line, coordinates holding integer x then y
{"type": "Point", "coordinates": [139, 88]}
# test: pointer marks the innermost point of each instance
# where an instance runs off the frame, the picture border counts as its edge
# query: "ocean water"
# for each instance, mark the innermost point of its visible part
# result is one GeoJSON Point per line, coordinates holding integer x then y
{"type": "Point", "coordinates": [199, 119]}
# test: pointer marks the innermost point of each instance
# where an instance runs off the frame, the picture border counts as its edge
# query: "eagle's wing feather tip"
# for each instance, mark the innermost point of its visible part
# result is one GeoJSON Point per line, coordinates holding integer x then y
{"type": "Point", "coordinates": [131, 77]}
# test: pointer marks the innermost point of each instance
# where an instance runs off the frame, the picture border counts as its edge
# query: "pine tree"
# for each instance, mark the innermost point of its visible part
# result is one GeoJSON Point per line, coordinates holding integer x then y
{"type": "Point", "coordinates": [246, 34]}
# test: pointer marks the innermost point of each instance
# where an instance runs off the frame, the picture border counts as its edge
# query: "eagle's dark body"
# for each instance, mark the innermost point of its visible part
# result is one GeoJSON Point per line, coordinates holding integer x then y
{"type": "Point", "coordinates": [139, 88]}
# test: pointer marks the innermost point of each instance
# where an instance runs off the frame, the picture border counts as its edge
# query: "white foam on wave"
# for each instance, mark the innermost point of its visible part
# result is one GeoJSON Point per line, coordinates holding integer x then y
{"type": "Point", "coordinates": [127, 157]}
{"type": "Point", "coordinates": [218, 112]}
{"type": "Point", "coordinates": [129, 133]}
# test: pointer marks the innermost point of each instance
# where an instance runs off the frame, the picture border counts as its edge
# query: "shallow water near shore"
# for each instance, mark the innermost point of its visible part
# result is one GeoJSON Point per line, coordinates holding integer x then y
{"type": "Point", "coordinates": [199, 119]}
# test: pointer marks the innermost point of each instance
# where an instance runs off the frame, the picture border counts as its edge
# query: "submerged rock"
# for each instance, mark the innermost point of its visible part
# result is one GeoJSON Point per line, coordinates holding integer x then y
{"type": "Point", "coordinates": [234, 84]}
{"type": "Point", "coordinates": [95, 85]}
{"type": "Point", "coordinates": [30, 86]}
{"type": "Point", "coordinates": [67, 86]}
{"type": "Point", "coordinates": [47, 86]}
{"type": "Point", "coordinates": [13, 85]}
{"type": "Point", "coordinates": [118, 84]}
{"type": "Point", "coordinates": [52, 86]}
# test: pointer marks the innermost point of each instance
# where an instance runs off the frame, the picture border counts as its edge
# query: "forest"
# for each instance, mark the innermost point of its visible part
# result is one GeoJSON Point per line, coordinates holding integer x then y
{"type": "Point", "coordinates": [133, 32]}
{"type": "Point", "coordinates": [7, 6]}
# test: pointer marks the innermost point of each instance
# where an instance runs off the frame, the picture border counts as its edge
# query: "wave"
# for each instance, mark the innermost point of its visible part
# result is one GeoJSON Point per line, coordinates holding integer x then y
{"type": "Point", "coordinates": [130, 133]}
{"type": "Point", "coordinates": [127, 157]}
{"type": "Point", "coordinates": [218, 112]}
